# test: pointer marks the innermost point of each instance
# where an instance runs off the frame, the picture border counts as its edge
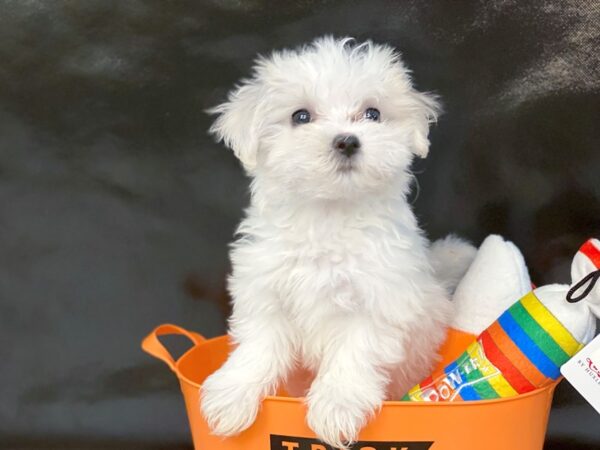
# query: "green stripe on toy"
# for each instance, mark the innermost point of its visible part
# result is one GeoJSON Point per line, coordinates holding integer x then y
{"type": "Point", "coordinates": [538, 334]}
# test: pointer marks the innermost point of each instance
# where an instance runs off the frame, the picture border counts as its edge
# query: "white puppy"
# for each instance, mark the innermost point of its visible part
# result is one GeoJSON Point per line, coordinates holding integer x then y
{"type": "Point", "coordinates": [330, 269]}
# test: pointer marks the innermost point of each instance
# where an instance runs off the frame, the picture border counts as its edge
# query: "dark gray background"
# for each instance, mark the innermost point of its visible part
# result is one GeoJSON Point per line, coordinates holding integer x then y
{"type": "Point", "coordinates": [116, 207]}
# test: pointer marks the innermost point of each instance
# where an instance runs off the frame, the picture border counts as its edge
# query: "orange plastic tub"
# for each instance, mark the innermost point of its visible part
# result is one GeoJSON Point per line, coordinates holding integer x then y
{"type": "Point", "coordinates": [517, 423]}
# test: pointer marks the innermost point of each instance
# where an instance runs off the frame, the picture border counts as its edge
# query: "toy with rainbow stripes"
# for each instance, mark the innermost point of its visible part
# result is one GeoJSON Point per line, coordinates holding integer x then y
{"type": "Point", "coordinates": [525, 347]}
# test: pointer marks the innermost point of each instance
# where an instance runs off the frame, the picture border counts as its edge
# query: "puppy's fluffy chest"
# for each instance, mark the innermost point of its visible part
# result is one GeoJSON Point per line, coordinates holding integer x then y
{"type": "Point", "coordinates": [341, 262]}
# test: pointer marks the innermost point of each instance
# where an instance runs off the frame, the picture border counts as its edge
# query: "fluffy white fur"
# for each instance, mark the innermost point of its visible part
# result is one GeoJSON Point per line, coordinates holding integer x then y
{"type": "Point", "coordinates": [330, 269]}
{"type": "Point", "coordinates": [451, 258]}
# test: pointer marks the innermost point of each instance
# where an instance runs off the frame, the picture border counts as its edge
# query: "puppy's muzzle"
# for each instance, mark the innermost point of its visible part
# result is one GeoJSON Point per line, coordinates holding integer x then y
{"type": "Point", "coordinates": [346, 144]}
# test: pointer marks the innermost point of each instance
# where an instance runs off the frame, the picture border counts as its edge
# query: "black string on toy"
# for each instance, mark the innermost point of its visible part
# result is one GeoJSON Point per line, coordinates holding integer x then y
{"type": "Point", "coordinates": [590, 279]}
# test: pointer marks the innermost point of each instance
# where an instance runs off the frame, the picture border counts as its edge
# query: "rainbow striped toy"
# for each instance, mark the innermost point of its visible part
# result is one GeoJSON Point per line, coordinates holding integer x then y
{"type": "Point", "coordinates": [524, 349]}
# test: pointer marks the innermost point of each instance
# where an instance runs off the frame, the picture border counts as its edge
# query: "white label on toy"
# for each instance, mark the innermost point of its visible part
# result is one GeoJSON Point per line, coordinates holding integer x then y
{"type": "Point", "coordinates": [583, 372]}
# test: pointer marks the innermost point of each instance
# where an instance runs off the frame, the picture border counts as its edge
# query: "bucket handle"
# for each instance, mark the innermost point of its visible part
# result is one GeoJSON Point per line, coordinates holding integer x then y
{"type": "Point", "coordinates": [152, 345]}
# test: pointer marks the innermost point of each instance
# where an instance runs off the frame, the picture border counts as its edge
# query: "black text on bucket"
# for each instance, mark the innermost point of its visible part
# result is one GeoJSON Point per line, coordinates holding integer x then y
{"type": "Point", "coordinates": [279, 442]}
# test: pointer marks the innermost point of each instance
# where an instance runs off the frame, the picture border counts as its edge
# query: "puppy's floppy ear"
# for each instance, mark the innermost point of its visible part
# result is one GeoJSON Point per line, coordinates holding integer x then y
{"type": "Point", "coordinates": [426, 109]}
{"type": "Point", "coordinates": [237, 124]}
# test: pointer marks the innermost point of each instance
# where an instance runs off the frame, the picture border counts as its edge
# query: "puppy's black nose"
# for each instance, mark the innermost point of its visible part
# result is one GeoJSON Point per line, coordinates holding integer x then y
{"type": "Point", "coordinates": [346, 144]}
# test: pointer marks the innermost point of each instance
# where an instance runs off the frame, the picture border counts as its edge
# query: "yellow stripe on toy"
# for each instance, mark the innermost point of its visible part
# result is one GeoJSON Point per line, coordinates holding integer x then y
{"type": "Point", "coordinates": [415, 394]}
{"type": "Point", "coordinates": [545, 318]}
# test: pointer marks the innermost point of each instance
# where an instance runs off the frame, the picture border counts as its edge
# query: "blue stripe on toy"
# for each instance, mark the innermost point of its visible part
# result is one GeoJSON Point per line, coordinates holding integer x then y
{"type": "Point", "coordinates": [527, 346]}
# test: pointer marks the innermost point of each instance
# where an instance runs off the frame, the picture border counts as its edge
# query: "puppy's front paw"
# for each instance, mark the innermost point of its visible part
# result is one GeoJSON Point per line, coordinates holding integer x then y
{"type": "Point", "coordinates": [228, 405]}
{"type": "Point", "coordinates": [335, 417]}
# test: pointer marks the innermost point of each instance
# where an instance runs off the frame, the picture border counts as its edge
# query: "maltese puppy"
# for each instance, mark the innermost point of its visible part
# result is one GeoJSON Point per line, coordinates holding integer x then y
{"type": "Point", "coordinates": [331, 273]}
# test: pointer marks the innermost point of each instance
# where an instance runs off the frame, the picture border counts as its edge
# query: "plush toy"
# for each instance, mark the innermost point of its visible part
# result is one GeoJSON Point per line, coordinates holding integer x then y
{"type": "Point", "coordinates": [525, 347]}
{"type": "Point", "coordinates": [496, 277]}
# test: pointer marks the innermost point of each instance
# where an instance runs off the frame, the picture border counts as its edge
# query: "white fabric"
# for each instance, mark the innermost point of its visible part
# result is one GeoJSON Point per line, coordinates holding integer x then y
{"type": "Point", "coordinates": [496, 279]}
{"type": "Point", "coordinates": [450, 258]}
{"type": "Point", "coordinates": [575, 317]}
{"type": "Point", "coordinates": [579, 318]}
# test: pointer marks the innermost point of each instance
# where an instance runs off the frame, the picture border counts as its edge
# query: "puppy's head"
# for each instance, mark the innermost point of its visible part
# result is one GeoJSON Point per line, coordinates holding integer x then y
{"type": "Point", "coordinates": [330, 120]}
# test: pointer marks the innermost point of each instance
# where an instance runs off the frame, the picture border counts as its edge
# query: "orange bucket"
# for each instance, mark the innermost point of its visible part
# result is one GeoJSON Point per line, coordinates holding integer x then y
{"type": "Point", "coordinates": [517, 423]}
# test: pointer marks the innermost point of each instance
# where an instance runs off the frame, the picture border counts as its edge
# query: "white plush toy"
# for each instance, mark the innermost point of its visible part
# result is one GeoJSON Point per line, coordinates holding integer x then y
{"type": "Point", "coordinates": [578, 314]}
{"type": "Point", "coordinates": [497, 276]}
{"type": "Point", "coordinates": [525, 347]}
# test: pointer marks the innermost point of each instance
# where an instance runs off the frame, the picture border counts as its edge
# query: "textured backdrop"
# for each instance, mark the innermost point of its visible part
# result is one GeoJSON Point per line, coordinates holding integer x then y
{"type": "Point", "coordinates": [116, 207]}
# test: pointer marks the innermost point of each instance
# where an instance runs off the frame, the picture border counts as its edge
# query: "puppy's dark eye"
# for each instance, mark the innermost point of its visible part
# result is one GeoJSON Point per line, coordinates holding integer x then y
{"type": "Point", "coordinates": [372, 114]}
{"type": "Point", "coordinates": [301, 116]}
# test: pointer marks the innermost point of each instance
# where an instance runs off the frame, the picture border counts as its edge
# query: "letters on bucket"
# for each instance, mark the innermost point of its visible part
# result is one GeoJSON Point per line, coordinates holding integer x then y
{"type": "Point", "coordinates": [301, 443]}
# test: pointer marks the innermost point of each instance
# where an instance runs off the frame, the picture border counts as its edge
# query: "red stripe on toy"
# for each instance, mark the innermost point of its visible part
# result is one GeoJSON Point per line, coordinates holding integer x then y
{"type": "Point", "coordinates": [426, 382]}
{"type": "Point", "coordinates": [516, 357]}
{"type": "Point", "coordinates": [504, 365]}
{"type": "Point", "coordinates": [593, 253]}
